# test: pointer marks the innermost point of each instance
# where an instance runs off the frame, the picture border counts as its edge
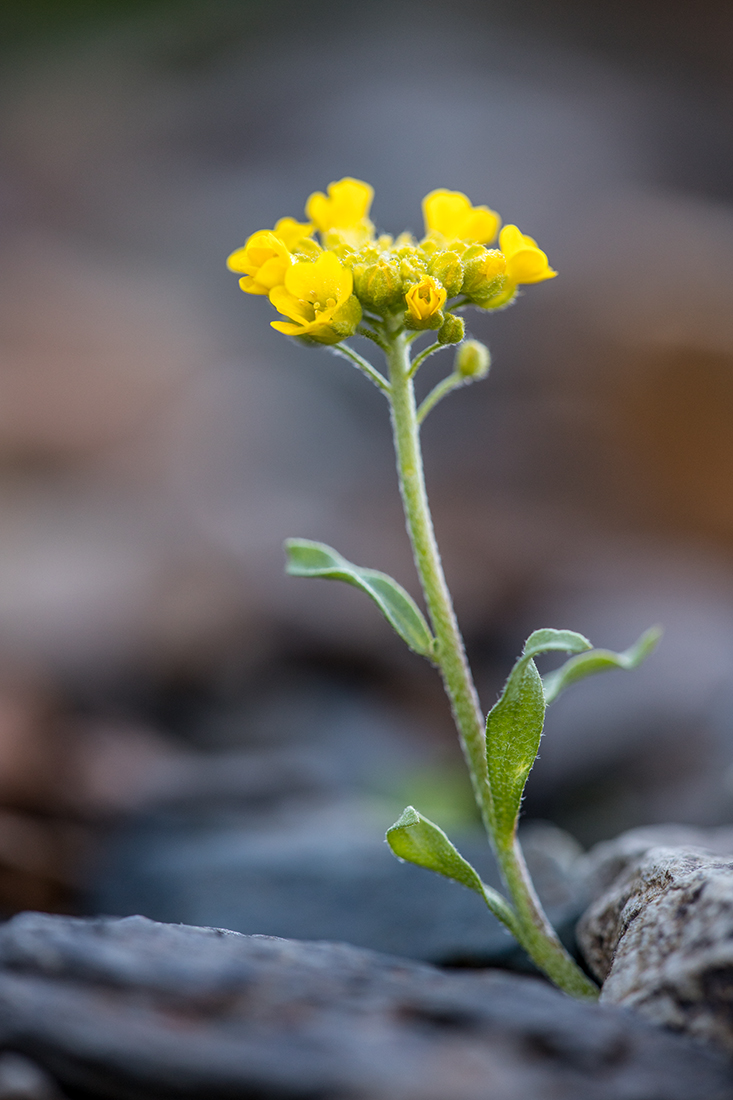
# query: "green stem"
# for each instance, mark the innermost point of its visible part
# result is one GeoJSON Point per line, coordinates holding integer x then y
{"type": "Point", "coordinates": [438, 393]}
{"type": "Point", "coordinates": [534, 931]}
{"type": "Point", "coordinates": [418, 361]}
{"type": "Point", "coordinates": [345, 352]}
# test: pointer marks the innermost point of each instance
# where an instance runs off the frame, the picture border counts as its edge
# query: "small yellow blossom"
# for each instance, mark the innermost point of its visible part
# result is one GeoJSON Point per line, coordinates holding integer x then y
{"type": "Point", "coordinates": [425, 300]}
{"type": "Point", "coordinates": [317, 297]}
{"type": "Point", "coordinates": [263, 259]}
{"type": "Point", "coordinates": [525, 262]}
{"type": "Point", "coordinates": [451, 214]}
{"type": "Point", "coordinates": [345, 207]}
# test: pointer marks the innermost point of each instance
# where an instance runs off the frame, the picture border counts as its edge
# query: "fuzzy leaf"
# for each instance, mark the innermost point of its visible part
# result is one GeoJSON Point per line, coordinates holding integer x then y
{"type": "Point", "coordinates": [514, 727]}
{"type": "Point", "coordinates": [315, 559]}
{"type": "Point", "coordinates": [599, 660]}
{"type": "Point", "coordinates": [417, 840]}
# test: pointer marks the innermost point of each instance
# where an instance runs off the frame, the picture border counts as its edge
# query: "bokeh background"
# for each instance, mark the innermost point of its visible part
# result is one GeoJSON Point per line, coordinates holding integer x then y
{"type": "Point", "coordinates": [179, 722]}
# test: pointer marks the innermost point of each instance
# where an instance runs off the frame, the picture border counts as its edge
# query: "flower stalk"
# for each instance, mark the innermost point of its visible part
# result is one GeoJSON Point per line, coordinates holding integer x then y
{"type": "Point", "coordinates": [533, 929]}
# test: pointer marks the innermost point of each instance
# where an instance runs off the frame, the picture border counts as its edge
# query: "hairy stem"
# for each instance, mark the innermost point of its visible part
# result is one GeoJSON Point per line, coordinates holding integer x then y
{"type": "Point", "coordinates": [452, 382]}
{"type": "Point", "coordinates": [534, 930]}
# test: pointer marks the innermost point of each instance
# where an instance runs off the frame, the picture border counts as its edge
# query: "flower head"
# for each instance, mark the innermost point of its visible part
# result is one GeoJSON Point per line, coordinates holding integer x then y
{"type": "Point", "coordinates": [525, 262]}
{"type": "Point", "coordinates": [451, 214]}
{"type": "Point", "coordinates": [317, 297]}
{"type": "Point", "coordinates": [321, 284]}
{"type": "Point", "coordinates": [425, 301]}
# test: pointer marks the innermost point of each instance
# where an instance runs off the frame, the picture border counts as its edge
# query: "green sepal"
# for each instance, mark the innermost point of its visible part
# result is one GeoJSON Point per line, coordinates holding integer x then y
{"type": "Point", "coordinates": [514, 727]}
{"type": "Point", "coordinates": [417, 840]}
{"type": "Point", "coordinates": [599, 660]}
{"type": "Point", "coordinates": [315, 559]}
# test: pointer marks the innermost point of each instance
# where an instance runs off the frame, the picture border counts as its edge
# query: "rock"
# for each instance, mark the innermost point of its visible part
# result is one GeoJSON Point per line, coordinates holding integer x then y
{"type": "Point", "coordinates": [323, 871]}
{"type": "Point", "coordinates": [660, 932]}
{"type": "Point", "coordinates": [134, 1010]}
{"type": "Point", "coordinates": [21, 1079]}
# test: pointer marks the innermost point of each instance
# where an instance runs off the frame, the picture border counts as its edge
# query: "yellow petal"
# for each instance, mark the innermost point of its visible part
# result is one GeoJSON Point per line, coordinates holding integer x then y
{"type": "Point", "coordinates": [292, 232]}
{"type": "Point", "coordinates": [320, 280]}
{"type": "Point", "coordinates": [511, 240]}
{"type": "Point", "coordinates": [250, 285]}
{"type": "Point", "coordinates": [238, 260]}
{"type": "Point", "coordinates": [294, 308]}
{"type": "Point", "coordinates": [528, 265]}
{"type": "Point", "coordinates": [481, 225]}
{"type": "Point", "coordinates": [444, 211]}
{"type": "Point", "coordinates": [346, 205]}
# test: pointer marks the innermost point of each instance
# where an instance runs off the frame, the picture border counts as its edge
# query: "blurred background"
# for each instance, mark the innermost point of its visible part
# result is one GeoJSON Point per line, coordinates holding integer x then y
{"type": "Point", "coordinates": [186, 732]}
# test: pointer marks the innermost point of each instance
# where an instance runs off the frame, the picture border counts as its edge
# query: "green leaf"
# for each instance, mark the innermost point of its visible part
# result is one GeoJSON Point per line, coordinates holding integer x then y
{"type": "Point", "coordinates": [417, 840]}
{"type": "Point", "coordinates": [542, 641]}
{"type": "Point", "coordinates": [599, 660]}
{"type": "Point", "coordinates": [514, 727]}
{"type": "Point", "coordinates": [315, 559]}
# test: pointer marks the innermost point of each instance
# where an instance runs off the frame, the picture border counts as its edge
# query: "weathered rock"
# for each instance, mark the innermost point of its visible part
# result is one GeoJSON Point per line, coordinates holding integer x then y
{"type": "Point", "coordinates": [21, 1079]}
{"type": "Point", "coordinates": [660, 932]}
{"type": "Point", "coordinates": [133, 1010]}
{"type": "Point", "coordinates": [323, 872]}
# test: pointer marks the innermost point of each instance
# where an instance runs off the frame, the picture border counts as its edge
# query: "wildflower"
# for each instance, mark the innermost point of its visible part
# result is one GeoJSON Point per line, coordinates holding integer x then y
{"type": "Point", "coordinates": [317, 297]}
{"type": "Point", "coordinates": [525, 262]}
{"type": "Point", "coordinates": [264, 259]}
{"type": "Point", "coordinates": [451, 214]}
{"type": "Point", "coordinates": [425, 300]}
{"type": "Point", "coordinates": [345, 209]}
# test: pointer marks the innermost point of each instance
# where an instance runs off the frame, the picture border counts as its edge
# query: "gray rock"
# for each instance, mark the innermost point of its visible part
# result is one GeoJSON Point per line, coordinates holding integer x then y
{"type": "Point", "coordinates": [21, 1079]}
{"type": "Point", "coordinates": [660, 932]}
{"type": "Point", "coordinates": [134, 1010]}
{"type": "Point", "coordinates": [324, 872]}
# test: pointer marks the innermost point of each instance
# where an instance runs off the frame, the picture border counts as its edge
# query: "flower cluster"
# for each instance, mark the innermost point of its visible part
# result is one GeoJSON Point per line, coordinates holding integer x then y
{"type": "Point", "coordinates": [325, 288]}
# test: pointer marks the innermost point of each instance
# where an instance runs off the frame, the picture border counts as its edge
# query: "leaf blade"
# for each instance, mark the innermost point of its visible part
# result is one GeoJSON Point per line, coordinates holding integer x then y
{"type": "Point", "coordinates": [514, 726]}
{"type": "Point", "coordinates": [418, 840]}
{"type": "Point", "coordinates": [599, 660]}
{"type": "Point", "coordinates": [315, 559]}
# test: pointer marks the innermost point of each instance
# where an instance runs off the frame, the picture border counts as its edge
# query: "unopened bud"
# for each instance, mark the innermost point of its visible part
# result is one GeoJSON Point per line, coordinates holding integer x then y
{"type": "Point", "coordinates": [378, 285]}
{"type": "Point", "coordinates": [452, 330]}
{"type": "Point", "coordinates": [483, 274]}
{"type": "Point", "coordinates": [473, 359]}
{"type": "Point", "coordinates": [448, 269]}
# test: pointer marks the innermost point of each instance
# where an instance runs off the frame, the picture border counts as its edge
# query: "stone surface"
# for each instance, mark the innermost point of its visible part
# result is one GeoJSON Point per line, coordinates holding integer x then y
{"type": "Point", "coordinates": [660, 932]}
{"type": "Point", "coordinates": [130, 1010]}
{"type": "Point", "coordinates": [323, 872]}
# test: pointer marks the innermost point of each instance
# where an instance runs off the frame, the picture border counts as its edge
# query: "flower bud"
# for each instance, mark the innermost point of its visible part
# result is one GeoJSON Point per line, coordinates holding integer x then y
{"type": "Point", "coordinates": [378, 285]}
{"type": "Point", "coordinates": [447, 268]}
{"type": "Point", "coordinates": [452, 330]}
{"type": "Point", "coordinates": [483, 273]}
{"type": "Point", "coordinates": [425, 300]}
{"type": "Point", "coordinates": [473, 360]}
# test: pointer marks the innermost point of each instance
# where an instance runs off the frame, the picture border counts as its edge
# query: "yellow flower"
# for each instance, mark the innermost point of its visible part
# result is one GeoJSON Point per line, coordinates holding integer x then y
{"type": "Point", "coordinates": [425, 300]}
{"type": "Point", "coordinates": [345, 207]}
{"type": "Point", "coordinates": [525, 262]}
{"type": "Point", "coordinates": [264, 259]}
{"type": "Point", "coordinates": [451, 214]}
{"type": "Point", "coordinates": [317, 297]}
